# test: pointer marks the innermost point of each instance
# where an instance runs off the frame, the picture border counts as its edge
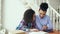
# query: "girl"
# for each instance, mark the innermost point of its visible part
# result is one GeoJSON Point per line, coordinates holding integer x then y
{"type": "Point", "coordinates": [28, 20]}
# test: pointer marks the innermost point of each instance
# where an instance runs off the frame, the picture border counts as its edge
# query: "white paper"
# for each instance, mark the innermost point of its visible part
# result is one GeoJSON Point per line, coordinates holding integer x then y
{"type": "Point", "coordinates": [41, 32]}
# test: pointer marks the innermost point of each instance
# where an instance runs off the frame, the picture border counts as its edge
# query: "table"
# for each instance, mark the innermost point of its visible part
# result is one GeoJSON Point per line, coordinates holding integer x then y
{"type": "Point", "coordinates": [55, 32]}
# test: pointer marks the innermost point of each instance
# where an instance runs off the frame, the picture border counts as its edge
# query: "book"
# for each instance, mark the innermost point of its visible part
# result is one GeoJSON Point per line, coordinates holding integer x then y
{"type": "Point", "coordinates": [40, 32]}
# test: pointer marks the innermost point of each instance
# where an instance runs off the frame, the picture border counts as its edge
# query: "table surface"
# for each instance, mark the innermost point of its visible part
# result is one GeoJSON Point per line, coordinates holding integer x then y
{"type": "Point", "coordinates": [55, 32]}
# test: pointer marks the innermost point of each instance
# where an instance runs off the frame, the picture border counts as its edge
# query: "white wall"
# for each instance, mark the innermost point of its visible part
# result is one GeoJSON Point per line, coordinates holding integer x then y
{"type": "Point", "coordinates": [0, 14]}
{"type": "Point", "coordinates": [12, 13]}
{"type": "Point", "coordinates": [0, 11]}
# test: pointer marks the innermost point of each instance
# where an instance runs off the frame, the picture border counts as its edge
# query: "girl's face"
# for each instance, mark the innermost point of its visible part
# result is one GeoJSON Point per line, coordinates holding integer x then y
{"type": "Point", "coordinates": [42, 13]}
{"type": "Point", "coordinates": [33, 17]}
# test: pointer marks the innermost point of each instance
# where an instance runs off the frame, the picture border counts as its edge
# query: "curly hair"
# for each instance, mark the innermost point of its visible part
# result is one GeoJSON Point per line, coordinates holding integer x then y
{"type": "Point", "coordinates": [44, 6]}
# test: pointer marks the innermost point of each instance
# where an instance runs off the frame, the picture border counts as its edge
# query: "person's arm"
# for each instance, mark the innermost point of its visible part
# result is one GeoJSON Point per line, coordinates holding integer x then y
{"type": "Point", "coordinates": [20, 26]}
{"type": "Point", "coordinates": [38, 25]}
{"type": "Point", "coordinates": [49, 24]}
{"type": "Point", "coordinates": [44, 28]}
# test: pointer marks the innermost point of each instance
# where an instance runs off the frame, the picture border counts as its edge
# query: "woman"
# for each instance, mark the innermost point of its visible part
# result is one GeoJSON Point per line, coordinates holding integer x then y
{"type": "Point", "coordinates": [28, 20]}
{"type": "Point", "coordinates": [43, 21]}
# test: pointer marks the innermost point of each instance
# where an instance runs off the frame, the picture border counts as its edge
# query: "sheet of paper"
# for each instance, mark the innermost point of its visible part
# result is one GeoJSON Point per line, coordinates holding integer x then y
{"type": "Point", "coordinates": [40, 32]}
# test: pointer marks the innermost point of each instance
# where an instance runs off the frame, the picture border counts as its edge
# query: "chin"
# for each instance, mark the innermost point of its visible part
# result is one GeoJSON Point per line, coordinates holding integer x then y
{"type": "Point", "coordinates": [41, 17]}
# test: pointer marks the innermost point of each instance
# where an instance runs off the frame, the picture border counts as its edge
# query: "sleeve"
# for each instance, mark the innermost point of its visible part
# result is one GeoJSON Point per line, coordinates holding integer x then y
{"type": "Point", "coordinates": [50, 24]}
{"type": "Point", "coordinates": [19, 26]}
{"type": "Point", "coordinates": [38, 25]}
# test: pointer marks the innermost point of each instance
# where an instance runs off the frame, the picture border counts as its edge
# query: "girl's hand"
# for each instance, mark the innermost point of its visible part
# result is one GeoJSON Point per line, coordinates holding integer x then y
{"type": "Point", "coordinates": [34, 30]}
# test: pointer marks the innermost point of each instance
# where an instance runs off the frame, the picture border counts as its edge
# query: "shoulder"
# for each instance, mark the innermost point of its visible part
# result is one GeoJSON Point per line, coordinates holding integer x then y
{"type": "Point", "coordinates": [47, 17]}
{"type": "Point", "coordinates": [37, 16]}
{"type": "Point", "coordinates": [22, 21]}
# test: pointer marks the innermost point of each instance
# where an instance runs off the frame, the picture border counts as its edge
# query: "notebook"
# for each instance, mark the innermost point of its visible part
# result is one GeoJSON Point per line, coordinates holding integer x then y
{"type": "Point", "coordinates": [40, 32]}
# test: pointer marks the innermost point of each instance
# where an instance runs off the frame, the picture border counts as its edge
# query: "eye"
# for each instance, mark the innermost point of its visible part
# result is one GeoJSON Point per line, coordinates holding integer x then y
{"type": "Point", "coordinates": [40, 13]}
{"type": "Point", "coordinates": [43, 14]}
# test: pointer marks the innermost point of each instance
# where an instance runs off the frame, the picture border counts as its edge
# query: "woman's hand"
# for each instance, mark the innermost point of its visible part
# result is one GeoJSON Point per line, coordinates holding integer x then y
{"type": "Point", "coordinates": [44, 27]}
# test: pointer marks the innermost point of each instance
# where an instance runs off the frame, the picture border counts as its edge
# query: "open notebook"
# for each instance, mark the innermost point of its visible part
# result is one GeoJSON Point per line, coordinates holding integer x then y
{"type": "Point", "coordinates": [22, 32]}
{"type": "Point", "coordinates": [40, 32]}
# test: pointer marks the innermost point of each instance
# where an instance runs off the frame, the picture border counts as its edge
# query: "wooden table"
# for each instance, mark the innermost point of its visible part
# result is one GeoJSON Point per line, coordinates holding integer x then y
{"type": "Point", "coordinates": [55, 32]}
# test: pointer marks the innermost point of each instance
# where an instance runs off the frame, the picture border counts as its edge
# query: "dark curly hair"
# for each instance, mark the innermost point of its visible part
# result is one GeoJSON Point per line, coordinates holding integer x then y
{"type": "Point", "coordinates": [28, 15]}
{"type": "Point", "coordinates": [44, 6]}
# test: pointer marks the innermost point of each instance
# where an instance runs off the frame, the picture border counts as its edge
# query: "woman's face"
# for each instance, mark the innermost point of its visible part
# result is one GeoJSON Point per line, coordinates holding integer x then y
{"type": "Point", "coordinates": [33, 17]}
{"type": "Point", "coordinates": [42, 13]}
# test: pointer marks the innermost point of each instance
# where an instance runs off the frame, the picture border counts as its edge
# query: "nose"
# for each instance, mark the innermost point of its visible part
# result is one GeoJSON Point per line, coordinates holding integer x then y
{"type": "Point", "coordinates": [41, 15]}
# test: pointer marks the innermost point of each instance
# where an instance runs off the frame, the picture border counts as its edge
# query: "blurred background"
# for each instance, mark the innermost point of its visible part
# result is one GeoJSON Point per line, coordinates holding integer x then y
{"type": "Point", "coordinates": [11, 12]}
